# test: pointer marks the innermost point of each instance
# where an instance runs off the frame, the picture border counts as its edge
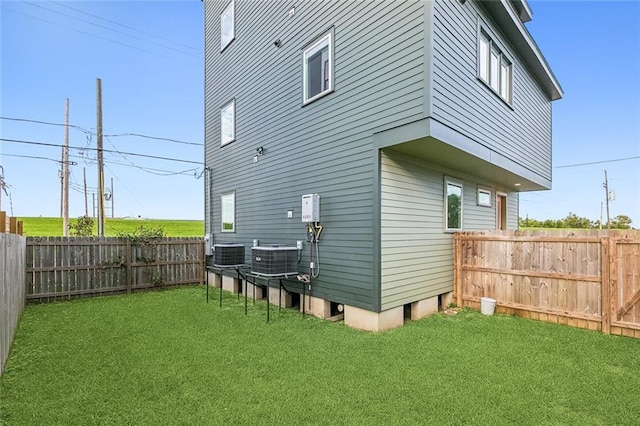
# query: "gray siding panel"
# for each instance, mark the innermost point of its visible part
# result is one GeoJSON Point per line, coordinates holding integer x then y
{"type": "Point", "coordinates": [416, 252]}
{"type": "Point", "coordinates": [324, 147]}
{"type": "Point", "coordinates": [460, 100]}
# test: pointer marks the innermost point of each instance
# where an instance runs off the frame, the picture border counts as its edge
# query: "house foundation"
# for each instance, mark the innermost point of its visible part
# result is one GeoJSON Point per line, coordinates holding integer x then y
{"type": "Point", "coordinates": [279, 299]}
{"type": "Point", "coordinates": [315, 306]}
{"type": "Point", "coordinates": [424, 308]}
{"type": "Point", "coordinates": [373, 321]}
{"type": "Point", "coordinates": [231, 284]}
{"type": "Point", "coordinates": [214, 279]}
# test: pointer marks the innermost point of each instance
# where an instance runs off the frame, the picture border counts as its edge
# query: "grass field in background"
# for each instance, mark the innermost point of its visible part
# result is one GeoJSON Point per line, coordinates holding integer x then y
{"type": "Point", "coordinates": [170, 358]}
{"type": "Point", "coordinates": [52, 226]}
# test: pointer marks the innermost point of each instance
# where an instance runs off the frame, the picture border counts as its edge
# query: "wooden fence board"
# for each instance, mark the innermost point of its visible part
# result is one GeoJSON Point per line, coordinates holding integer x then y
{"type": "Point", "coordinates": [587, 279]}
{"type": "Point", "coordinates": [73, 267]}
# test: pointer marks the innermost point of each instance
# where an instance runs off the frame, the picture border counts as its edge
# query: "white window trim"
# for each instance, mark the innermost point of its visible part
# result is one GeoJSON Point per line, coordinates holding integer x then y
{"type": "Point", "coordinates": [454, 182]}
{"type": "Point", "coordinates": [328, 39]}
{"type": "Point", "coordinates": [502, 57]}
{"type": "Point", "coordinates": [487, 192]}
{"type": "Point", "coordinates": [223, 140]}
{"type": "Point", "coordinates": [230, 9]}
{"type": "Point", "coordinates": [222, 217]}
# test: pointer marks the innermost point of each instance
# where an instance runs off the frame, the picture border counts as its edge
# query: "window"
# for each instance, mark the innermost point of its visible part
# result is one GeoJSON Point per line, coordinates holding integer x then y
{"type": "Point", "coordinates": [317, 68]}
{"type": "Point", "coordinates": [228, 123]}
{"type": "Point", "coordinates": [228, 209]}
{"type": "Point", "coordinates": [484, 197]}
{"type": "Point", "coordinates": [495, 69]}
{"type": "Point", "coordinates": [453, 205]}
{"type": "Point", "coordinates": [227, 25]}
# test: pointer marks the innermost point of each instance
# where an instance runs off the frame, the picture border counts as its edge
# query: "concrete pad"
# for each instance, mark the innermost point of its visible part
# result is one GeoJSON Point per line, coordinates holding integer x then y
{"type": "Point", "coordinates": [317, 307]}
{"type": "Point", "coordinates": [258, 291]}
{"type": "Point", "coordinates": [214, 279]}
{"type": "Point", "coordinates": [424, 308]}
{"type": "Point", "coordinates": [447, 299]}
{"type": "Point", "coordinates": [276, 299]}
{"type": "Point", "coordinates": [231, 284]}
{"type": "Point", "coordinates": [362, 319]}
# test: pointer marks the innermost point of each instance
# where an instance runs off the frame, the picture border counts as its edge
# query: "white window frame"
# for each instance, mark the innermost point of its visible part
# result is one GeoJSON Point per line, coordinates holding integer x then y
{"type": "Point", "coordinates": [228, 119]}
{"type": "Point", "coordinates": [228, 17]}
{"type": "Point", "coordinates": [228, 199]}
{"type": "Point", "coordinates": [486, 192]}
{"type": "Point", "coordinates": [325, 41]}
{"type": "Point", "coordinates": [495, 69]}
{"type": "Point", "coordinates": [455, 183]}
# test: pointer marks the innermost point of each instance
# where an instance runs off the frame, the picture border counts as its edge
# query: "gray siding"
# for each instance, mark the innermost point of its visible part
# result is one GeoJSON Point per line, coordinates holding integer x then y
{"type": "Point", "coordinates": [416, 252]}
{"type": "Point", "coordinates": [324, 147]}
{"type": "Point", "coordinates": [461, 101]}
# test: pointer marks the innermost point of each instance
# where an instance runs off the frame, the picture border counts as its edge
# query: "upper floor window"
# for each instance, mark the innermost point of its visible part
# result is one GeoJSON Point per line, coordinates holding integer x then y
{"type": "Point", "coordinates": [317, 68]}
{"type": "Point", "coordinates": [228, 123]}
{"type": "Point", "coordinates": [495, 68]}
{"type": "Point", "coordinates": [227, 25]}
{"type": "Point", "coordinates": [453, 206]}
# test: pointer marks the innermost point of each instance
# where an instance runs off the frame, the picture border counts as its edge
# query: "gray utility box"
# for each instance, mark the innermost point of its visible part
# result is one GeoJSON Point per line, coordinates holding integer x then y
{"type": "Point", "coordinates": [274, 260]}
{"type": "Point", "coordinates": [226, 255]}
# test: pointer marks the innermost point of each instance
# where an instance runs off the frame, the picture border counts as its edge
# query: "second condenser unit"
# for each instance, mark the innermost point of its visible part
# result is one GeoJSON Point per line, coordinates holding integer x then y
{"type": "Point", "coordinates": [274, 260]}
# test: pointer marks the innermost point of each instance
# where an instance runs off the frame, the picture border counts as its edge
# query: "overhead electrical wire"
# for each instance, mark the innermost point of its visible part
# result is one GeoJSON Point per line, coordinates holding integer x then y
{"type": "Point", "coordinates": [150, 170]}
{"type": "Point", "coordinates": [104, 150]}
{"type": "Point", "coordinates": [91, 133]}
{"type": "Point", "coordinates": [97, 36]}
{"type": "Point", "coordinates": [109, 29]}
{"type": "Point", "coordinates": [126, 26]}
{"type": "Point", "coordinates": [597, 162]}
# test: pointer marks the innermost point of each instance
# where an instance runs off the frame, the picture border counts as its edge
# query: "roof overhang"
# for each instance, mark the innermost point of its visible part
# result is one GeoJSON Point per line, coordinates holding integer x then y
{"type": "Point", "coordinates": [523, 9]}
{"type": "Point", "coordinates": [513, 27]}
{"type": "Point", "coordinates": [442, 146]}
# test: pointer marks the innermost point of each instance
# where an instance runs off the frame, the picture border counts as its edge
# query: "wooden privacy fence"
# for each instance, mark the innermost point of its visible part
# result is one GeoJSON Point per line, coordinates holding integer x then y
{"type": "Point", "coordinates": [65, 267]}
{"type": "Point", "coordinates": [12, 290]}
{"type": "Point", "coordinates": [587, 279]}
{"type": "Point", "coordinates": [9, 224]}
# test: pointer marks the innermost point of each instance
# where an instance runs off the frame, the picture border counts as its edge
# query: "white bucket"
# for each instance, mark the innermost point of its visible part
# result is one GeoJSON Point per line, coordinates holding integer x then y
{"type": "Point", "coordinates": [487, 306]}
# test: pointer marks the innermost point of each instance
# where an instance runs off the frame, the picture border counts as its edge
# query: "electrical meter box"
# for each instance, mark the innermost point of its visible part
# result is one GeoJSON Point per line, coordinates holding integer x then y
{"type": "Point", "coordinates": [208, 245]}
{"type": "Point", "coordinates": [310, 208]}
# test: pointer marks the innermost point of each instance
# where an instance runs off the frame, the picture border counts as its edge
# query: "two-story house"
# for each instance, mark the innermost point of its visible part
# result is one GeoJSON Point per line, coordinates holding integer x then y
{"type": "Point", "coordinates": [411, 119]}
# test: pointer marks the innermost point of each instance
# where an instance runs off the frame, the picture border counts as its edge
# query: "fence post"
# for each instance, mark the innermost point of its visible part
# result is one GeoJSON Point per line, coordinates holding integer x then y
{"type": "Point", "coordinates": [457, 272]}
{"type": "Point", "coordinates": [202, 261]}
{"type": "Point", "coordinates": [128, 256]}
{"type": "Point", "coordinates": [13, 225]}
{"type": "Point", "coordinates": [605, 285]}
{"type": "Point", "coordinates": [3, 222]}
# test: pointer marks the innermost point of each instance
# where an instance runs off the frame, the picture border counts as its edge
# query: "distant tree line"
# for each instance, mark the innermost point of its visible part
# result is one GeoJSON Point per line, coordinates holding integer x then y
{"type": "Point", "coordinates": [574, 221]}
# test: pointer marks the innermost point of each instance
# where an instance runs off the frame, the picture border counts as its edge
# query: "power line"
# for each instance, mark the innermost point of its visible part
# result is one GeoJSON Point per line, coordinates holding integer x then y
{"type": "Point", "coordinates": [46, 123]}
{"type": "Point", "coordinates": [97, 36]}
{"type": "Point", "coordinates": [150, 170]}
{"type": "Point", "coordinates": [90, 133]}
{"type": "Point", "coordinates": [126, 26]}
{"type": "Point", "coordinates": [107, 28]}
{"type": "Point", "coordinates": [104, 150]}
{"type": "Point", "coordinates": [154, 137]}
{"type": "Point", "coordinates": [597, 162]}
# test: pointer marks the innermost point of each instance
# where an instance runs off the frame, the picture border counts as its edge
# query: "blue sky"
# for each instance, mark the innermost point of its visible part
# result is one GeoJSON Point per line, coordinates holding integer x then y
{"type": "Point", "coordinates": [149, 56]}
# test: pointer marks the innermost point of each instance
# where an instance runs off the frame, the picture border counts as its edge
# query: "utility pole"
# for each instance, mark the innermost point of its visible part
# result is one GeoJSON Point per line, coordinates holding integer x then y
{"type": "Point", "coordinates": [2, 185]}
{"type": "Point", "coordinates": [86, 207]}
{"type": "Point", "coordinates": [606, 191]}
{"type": "Point", "coordinates": [112, 214]}
{"type": "Point", "coordinates": [100, 159]}
{"type": "Point", "coordinates": [65, 173]}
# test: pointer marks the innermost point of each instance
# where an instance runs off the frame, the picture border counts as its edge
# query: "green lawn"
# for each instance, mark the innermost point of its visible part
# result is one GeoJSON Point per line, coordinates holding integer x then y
{"type": "Point", "coordinates": [170, 358]}
{"type": "Point", "coordinates": [52, 226]}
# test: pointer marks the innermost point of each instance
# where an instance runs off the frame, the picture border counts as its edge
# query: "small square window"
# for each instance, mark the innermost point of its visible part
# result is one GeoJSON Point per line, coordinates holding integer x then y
{"type": "Point", "coordinates": [317, 64]}
{"type": "Point", "coordinates": [228, 123]}
{"type": "Point", "coordinates": [228, 212]}
{"type": "Point", "coordinates": [453, 206]}
{"type": "Point", "coordinates": [227, 25]}
{"type": "Point", "coordinates": [484, 197]}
